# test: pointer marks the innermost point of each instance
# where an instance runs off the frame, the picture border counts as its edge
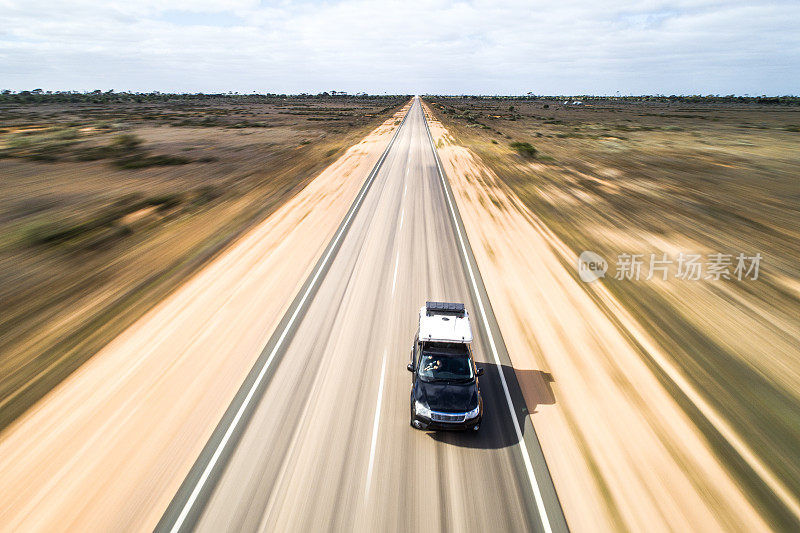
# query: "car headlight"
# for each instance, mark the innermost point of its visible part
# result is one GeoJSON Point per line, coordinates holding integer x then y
{"type": "Point", "coordinates": [422, 409]}
{"type": "Point", "coordinates": [475, 412]}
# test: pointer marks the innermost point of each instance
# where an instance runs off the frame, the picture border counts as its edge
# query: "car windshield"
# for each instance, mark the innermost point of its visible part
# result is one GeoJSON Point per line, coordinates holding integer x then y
{"type": "Point", "coordinates": [445, 365]}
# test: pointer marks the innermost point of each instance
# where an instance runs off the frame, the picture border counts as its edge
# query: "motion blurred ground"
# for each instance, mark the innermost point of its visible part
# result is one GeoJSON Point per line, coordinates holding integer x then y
{"type": "Point", "coordinates": [108, 203]}
{"type": "Point", "coordinates": [616, 177]}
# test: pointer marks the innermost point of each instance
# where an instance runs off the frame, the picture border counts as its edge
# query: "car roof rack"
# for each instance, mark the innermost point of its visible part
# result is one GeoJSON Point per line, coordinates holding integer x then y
{"type": "Point", "coordinates": [444, 308]}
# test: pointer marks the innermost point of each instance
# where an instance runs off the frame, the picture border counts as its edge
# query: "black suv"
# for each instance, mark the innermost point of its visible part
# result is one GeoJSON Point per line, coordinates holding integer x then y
{"type": "Point", "coordinates": [444, 391]}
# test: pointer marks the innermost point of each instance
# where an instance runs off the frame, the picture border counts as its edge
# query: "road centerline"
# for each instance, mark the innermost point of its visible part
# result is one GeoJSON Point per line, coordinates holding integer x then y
{"type": "Point", "coordinates": [375, 425]}
{"type": "Point", "coordinates": [394, 279]}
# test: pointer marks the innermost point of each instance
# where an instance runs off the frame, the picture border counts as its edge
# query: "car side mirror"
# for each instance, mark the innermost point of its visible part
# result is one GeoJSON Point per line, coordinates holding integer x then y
{"type": "Point", "coordinates": [479, 372]}
{"type": "Point", "coordinates": [410, 367]}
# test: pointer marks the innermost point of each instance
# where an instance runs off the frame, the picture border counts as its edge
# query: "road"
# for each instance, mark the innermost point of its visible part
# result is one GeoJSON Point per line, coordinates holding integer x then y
{"type": "Point", "coordinates": [319, 437]}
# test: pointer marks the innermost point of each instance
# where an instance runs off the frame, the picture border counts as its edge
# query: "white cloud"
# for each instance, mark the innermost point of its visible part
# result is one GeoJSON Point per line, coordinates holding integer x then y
{"type": "Point", "coordinates": [702, 46]}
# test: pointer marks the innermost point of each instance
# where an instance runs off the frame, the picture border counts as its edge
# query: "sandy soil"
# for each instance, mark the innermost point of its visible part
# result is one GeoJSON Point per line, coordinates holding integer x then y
{"type": "Point", "coordinates": [108, 448]}
{"type": "Point", "coordinates": [622, 453]}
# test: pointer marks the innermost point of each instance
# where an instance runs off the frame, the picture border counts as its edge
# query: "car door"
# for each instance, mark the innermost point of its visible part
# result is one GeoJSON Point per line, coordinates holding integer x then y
{"type": "Point", "coordinates": [474, 365]}
{"type": "Point", "coordinates": [414, 352]}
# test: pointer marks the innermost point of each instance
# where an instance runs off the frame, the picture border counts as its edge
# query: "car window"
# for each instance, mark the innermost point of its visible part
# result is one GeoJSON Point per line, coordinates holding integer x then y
{"type": "Point", "coordinates": [441, 367]}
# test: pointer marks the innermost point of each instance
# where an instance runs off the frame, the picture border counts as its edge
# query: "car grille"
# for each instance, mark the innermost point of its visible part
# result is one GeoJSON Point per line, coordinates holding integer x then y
{"type": "Point", "coordinates": [447, 417]}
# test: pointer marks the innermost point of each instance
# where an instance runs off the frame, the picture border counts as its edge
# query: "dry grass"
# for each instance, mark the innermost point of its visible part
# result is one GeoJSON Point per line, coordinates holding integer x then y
{"type": "Point", "coordinates": [105, 208]}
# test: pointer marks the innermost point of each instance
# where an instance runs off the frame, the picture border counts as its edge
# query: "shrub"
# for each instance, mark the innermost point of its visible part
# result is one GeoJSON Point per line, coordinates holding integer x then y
{"type": "Point", "coordinates": [136, 162]}
{"type": "Point", "coordinates": [126, 143]}
{"type": "Point", "coordinates": [93, 153]}
{"type": "Point", "coordinates": [120, 146]}
{"type": "Point", "coordinates": [47, 154]}
{"type": "Point", "coordinates": [48, 145]}
{"type": "Point", "coordinates": [524, 149]}
{"type": "Point", "coordinates": [47, 233]}
{"type": "Point", "coordinates": [103, 225]}
{"type": "Point", "coordinates": [166, 202]}
{"type": "Point", "coordinates": [55, 232]}
{"type": "Point", "coordinates": [67, 134]}
{"type": "Point", "coordinates": [205, 194]}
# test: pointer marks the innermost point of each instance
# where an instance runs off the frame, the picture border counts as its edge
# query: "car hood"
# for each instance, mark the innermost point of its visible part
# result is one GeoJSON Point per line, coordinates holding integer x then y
{"type": "Point", "coordinates": [452, 397]}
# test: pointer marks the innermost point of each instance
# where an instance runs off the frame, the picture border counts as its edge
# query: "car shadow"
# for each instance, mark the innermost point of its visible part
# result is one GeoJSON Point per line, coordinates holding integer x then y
{"type": "Point", "coordinates": [497, 428]}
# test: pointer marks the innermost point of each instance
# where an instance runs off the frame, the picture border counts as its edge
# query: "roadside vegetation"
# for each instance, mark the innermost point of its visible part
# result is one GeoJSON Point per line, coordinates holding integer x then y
{"type": "Point", "coordinates": [676, 175]}
{"type": "Point", "coordinates": [109, 201]}
{"type": "Point", "coordinates": [524, 149]}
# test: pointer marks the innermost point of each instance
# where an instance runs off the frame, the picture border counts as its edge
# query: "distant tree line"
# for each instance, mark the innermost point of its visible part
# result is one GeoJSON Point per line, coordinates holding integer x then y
{"type": "Point", "coordinates": [711, 98]}
{"type": "Point", "coordinates": [105, 97]}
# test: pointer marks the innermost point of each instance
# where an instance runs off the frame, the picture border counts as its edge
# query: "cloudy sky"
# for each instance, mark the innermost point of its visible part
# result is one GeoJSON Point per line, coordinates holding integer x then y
{"type": "Point", "coordinates": [408, 46]}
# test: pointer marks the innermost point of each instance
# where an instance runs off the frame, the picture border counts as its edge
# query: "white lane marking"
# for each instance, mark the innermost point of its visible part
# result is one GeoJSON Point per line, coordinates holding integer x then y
{"type": "Point", "coordinates": [537, 493]}
{"type": "Point", "coordinates": [251, 393]}
{"type": "Point", "coordinates": [399, 229]}
{"type": "Point", "coordinates": [396, 264]}
{"type": "Point", "coordinates": [375, 428]}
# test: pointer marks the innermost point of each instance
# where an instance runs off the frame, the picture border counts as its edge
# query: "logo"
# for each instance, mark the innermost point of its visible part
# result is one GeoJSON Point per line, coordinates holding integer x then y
{"type": "Point", "coordinates": [591, 266]}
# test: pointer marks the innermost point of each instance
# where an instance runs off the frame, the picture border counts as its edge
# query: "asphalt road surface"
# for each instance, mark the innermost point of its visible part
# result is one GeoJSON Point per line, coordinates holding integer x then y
{"type": "Point", "coordinates": [318, 438]}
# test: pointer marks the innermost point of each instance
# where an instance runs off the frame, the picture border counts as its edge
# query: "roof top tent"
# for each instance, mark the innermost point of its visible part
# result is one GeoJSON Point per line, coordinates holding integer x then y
{"type": "Point", "coordinates": [444, 322]}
